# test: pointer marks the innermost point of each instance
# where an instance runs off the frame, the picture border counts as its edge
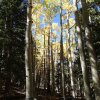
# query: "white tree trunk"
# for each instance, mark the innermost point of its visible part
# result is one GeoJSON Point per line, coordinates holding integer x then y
{"type": "Point", "coordinates": [94, 68]}
{"type": "Point", "coordinates": [61, 55]}
{"type": "Point", "coordinates": [83, 66]}
{"type": "Point", "coordinates": [87, 91]}
{"type": "Point", "coordinates": [28, 56]}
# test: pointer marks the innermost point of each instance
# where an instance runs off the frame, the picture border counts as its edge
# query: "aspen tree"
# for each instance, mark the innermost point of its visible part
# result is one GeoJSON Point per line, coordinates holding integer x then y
{"type": "Point", "coordinates": [92, 57]}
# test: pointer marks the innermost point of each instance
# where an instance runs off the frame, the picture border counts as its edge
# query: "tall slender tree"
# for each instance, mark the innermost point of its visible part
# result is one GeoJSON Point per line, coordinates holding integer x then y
{"type": "Point", "coordinates": [87, 91]}
{"type": "Point", "coordinates": [61, 54]}
{"type": "Point", "coordinates": [88, 33]}
{"type": "Point", "coordinates": [28, 56]}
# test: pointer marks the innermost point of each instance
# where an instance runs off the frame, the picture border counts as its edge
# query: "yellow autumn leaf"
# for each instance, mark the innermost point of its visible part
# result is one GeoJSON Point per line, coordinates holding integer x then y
{"type": "Point", "coordinates": [54, 25]}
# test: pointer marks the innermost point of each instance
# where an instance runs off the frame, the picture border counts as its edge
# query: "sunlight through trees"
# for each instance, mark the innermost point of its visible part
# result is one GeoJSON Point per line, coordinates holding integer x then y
{"type": "Point", "coordinates": [49, 49]}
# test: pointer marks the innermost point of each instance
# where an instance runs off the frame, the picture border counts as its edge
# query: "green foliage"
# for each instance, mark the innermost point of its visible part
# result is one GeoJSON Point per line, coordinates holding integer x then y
{"type": "Point", "coordinates": [97, 0]}
{"type": "Point", "coordinates": [12, 30]}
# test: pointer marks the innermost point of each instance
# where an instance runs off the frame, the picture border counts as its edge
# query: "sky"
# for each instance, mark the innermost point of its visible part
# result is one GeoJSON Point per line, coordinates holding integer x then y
{"type": "Point", "coordinates": [56, 19]}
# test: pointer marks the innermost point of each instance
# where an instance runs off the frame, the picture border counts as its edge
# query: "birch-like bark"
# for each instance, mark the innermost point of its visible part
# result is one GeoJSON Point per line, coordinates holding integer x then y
{"type": "Point", "coordinates": [92, 57]}
{"type": "Point", "coordinates": [61, 54]}
{"type": "Point", "coordinates": [87, 92]}
{"type": "Point", "coordinates": [28, 56]}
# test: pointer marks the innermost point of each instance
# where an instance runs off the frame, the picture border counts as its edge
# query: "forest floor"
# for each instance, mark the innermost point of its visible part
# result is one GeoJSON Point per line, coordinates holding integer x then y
{"type": "Point", "coordinates": [18, 94]}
